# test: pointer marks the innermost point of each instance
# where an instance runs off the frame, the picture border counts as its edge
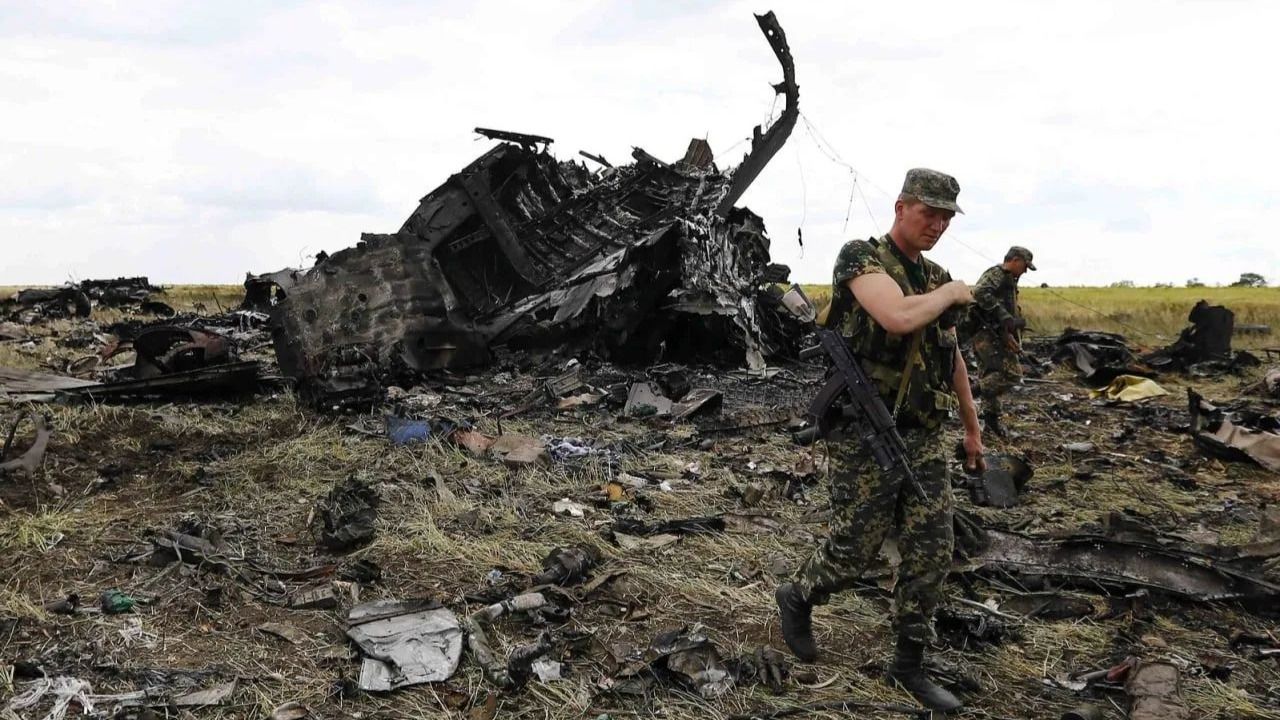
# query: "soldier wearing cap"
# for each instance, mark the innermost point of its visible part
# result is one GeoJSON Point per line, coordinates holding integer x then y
{"type": "Point", "coordinates": [897, 310]}
{"type": "Point", "coordinates": [996, 321]}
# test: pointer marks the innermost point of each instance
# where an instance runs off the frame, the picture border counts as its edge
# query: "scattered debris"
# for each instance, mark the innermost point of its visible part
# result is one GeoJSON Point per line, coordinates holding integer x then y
{"type": "Point", "coordinates": [1235, 434]}
{"type": "Point", "coordinates": [348, 515]}
{"type": "Point", "coordinates": [518, 450]}
{"type": "Point", "coordinates": [565, 506]}
{"type": "Point", "coordinates": [404, 643]}
{"type": "Point", "coordinates": [1129, 389]}
{"type": "Point", "coordinates": [566, 566]}
{"type": "Point", "coordinates": [18, 385]}
{"type": "Point", "coordinates": [114, 602]}
{"type": "Point", "coordinates": [1155, 692]}
{"type": "Point", "coordinates": [1099, 356]}
{"type": "Point", "coordinates": [29, 461]}
{"type": "Point", "coordinates": [696, 401]}
{"type": "Point", "coordinates": [1097, 560]}
{"type": "Point", "coordinates": [321, 598]}
{"type": "Point", "coordinates": [1002, 481]}
{"type": "Point", "coordinates": [284, 632]}
{"type": "Point", "coordinates": [685, 656]}
{"type": "Point", "coordinates": [644, 400]}
{"type": "Point", "coordinates": [515, 671]}
{"type": "Point", "coordinates": [402, 430]}
{"type": "Point", "coordinates": [1204, 347]}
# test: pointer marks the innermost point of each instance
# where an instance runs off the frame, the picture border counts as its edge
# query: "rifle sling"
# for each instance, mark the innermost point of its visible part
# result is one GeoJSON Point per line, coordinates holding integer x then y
{"type": "Point", "coordinates": [912, 354]}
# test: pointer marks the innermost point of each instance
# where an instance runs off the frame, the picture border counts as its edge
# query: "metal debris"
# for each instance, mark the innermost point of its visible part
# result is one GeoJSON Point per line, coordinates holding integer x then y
{"type": "Point", "coordinates": [1096, 560]}
{"type": "Point", "coordinates": [404, 643]}
{"type": "Point", "coordinates": [1238, 434]}
{"type": "Point", "coordinates": [77, 300]}
{"type": "Point", "coordinates": [29, 461]}
{"type": "Point", "coordinates": [348, 515]}
{"type": "Point", "coordinates": [521, 250]}
{"type": "Point", "coordinates": [1099, 356]}
{"type": "Point", "coordinates": [1206, 340]}
{"type": "Point", "coordinates": [19, 385]}
{"type": "Point", "coordinates": [515, 671]}
{"type": "Point", "coordinates": [644, 400]}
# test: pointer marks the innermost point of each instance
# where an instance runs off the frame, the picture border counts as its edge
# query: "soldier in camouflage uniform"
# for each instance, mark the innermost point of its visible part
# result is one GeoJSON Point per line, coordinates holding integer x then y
{"type": "Point", "coordinates": [996, 320]}
{"type": "Point", "coordinates": [897, 310]}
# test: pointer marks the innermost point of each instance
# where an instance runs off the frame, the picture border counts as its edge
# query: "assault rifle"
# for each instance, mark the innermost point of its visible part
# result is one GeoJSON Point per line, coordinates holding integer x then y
{"type": "Point", "coordinates": [859, 402]}
{"type": "Point", "coordinates": [850, 395]}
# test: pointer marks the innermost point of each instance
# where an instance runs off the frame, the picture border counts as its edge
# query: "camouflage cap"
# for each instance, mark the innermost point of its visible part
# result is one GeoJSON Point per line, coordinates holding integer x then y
{"type": "Point", "coordinates": [1020, 253]}
{"type": "Point", "coordinates": [933, 188]}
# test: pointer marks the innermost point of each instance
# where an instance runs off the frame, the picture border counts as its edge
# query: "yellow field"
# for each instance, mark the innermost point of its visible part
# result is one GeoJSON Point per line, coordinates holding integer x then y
{"type": "Point", "coordinates": [1150, 316]}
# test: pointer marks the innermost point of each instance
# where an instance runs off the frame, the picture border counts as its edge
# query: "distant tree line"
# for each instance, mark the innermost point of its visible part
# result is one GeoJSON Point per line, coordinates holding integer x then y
{"type": "Point", "coordinates": [1253, 280]}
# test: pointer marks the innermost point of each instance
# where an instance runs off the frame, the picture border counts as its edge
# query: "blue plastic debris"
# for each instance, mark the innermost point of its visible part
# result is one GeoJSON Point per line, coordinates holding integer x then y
{"type": "Point", "coordinates": [403, 431]}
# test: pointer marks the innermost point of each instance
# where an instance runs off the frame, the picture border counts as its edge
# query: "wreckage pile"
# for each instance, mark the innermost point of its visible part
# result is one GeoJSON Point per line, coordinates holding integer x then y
{"type": "Point", "coordinates": [518, 250]}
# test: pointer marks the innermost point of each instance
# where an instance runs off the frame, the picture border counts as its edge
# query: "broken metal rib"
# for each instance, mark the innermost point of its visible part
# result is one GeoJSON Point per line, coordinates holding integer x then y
{"type": "Point", "coordinates": [765, 146]}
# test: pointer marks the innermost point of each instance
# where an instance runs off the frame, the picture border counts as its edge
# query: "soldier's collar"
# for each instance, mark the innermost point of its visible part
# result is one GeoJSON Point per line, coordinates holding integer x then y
{"type": "Point", "coordinates": [893, 248]}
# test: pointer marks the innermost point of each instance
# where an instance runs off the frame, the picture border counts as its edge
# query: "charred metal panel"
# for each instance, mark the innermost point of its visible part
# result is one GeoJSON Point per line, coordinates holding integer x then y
{"type": "Point", "coordinates": [523, 250]}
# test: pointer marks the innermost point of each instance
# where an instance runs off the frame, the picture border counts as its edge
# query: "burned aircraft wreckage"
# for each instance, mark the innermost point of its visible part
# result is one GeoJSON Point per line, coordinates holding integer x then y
{"type": "Point", "coordinates": [521, 250]}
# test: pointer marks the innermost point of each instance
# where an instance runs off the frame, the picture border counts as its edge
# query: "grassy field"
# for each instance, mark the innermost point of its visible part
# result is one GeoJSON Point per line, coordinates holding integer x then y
{"type": "Point", "coordinates": [1148, 316]}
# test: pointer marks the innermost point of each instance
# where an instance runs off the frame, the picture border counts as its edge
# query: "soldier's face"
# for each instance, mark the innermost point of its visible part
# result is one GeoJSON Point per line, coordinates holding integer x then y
{"type": "Point", "coordinates": [1019, 266]}
{"type": "Point", "coordinates": [922, 225]}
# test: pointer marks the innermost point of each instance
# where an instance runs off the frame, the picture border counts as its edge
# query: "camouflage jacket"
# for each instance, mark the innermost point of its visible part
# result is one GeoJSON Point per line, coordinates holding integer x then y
{"type": "Point", "coordinates": [928, 398]}
{"type": "Point", "coordinates": [995, 298]}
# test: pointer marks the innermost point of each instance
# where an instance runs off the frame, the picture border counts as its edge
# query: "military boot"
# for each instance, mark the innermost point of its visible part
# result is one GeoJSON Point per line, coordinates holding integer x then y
{"type": "Point", "coordinates": [797, 621]}
{"type": "Point", "coordinates": [908, 673]}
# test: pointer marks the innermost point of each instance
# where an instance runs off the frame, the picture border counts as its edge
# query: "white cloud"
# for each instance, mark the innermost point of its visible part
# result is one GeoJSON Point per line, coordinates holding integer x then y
{"type": "Point", "coordinates": [192, 142]}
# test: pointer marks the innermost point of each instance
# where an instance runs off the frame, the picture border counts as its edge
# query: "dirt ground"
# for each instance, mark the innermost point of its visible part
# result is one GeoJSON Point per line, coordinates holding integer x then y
{"type": "Point", "coordinates": [252, 470]}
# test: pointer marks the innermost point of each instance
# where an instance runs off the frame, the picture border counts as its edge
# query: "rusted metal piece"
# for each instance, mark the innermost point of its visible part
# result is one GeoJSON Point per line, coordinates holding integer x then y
{"type": "Point", "coordinates": [167, 349]}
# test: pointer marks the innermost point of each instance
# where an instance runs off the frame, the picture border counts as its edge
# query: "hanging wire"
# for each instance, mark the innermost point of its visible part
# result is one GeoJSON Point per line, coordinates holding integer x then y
{"type": "Point", "coordinates": [834, 157]}
{"type": "Point", "coordinates": [867, 205]}
{"type": "Point", "coordinates": [804, 202]}
{"type": "Point", "coordinates": [860, 179]}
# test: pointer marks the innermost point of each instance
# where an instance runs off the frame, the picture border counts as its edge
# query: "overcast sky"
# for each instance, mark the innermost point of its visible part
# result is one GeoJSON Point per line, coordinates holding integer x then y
{"type": "Point", "coordinates": [192, 142]}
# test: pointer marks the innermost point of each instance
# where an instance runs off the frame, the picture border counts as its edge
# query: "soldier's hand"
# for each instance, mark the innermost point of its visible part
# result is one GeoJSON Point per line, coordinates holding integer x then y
{"type": "Point", "coordinates": [960, 293]}
{"type": "Point", "coordinates": [1012, 344]}
{"type": "Point", "coordinates": [973, 450]}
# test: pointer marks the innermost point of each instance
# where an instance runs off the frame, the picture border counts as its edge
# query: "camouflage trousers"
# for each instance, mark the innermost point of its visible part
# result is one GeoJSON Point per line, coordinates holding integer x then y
{"type": "Point", "coordinates": [998, 370]}
{"type": "Point", "coordinates": [866, 504]}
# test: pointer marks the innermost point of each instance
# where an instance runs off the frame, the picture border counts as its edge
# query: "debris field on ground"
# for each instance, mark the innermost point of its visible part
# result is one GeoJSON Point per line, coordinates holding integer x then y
{"type": "Point", "coordinates": [466, 470]}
